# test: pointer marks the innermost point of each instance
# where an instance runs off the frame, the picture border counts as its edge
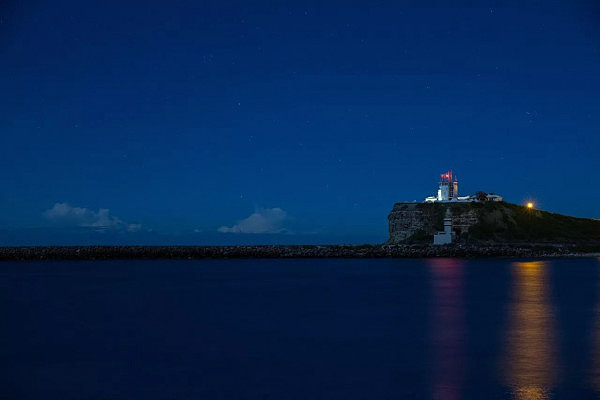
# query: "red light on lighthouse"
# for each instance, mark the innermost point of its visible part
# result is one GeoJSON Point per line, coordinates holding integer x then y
{"type": "Point", "coordinates": [447, 177]}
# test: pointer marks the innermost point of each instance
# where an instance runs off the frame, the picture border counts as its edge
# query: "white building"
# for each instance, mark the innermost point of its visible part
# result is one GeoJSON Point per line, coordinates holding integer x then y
{"type": "Point", "coordinates": [448, 189]}
{"type": "Point", "coordinates": [448, 192]}
{"type": "Point", "coordinates": [447, 235]}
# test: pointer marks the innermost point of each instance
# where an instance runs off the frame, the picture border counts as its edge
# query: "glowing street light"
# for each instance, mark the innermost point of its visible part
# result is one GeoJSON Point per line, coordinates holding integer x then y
{"type": "Point", "coordinates": [529, 205]}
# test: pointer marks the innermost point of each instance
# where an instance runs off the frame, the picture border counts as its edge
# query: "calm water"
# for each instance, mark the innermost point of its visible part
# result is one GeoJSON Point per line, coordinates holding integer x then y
{"type": "Point", "coordinates": [301, 329]}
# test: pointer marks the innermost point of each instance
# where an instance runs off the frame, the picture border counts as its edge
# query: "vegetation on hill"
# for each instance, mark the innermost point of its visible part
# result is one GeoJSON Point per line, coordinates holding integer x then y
{"type": "Point", "coordinates": [508, 222]}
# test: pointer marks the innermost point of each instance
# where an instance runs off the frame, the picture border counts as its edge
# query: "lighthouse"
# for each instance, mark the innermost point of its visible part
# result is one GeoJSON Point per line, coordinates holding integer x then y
{"type": "Point", "coordinates": [448, 191]}
{"type": "Point", "coordinates": [447, 236]}
{"type": "Point", "coordinates": [448, 187]}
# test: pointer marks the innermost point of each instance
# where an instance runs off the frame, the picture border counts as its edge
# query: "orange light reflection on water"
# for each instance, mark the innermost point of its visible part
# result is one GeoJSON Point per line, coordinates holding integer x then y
{"type": "Point", "coordinates": [595, 372]}
{"type": "Point", "coordinates": [531, 354]}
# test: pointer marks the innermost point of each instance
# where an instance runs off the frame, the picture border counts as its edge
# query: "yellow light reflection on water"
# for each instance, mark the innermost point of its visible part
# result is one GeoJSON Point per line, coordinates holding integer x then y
{"type": "Point", "coordinates": [531, 354]}
{"type": "Point", "coordinates": [595, 372]}
{"type": "Point", "coordinates": [531, 393]}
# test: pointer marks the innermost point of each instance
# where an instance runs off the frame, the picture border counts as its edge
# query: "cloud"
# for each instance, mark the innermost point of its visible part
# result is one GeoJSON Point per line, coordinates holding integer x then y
{"type": "Point", "coordinates": [264, 220]}
{"type": "Point", "coordinates": [134, 227]}
{"type": "Point", "coordinates": [66, 215]}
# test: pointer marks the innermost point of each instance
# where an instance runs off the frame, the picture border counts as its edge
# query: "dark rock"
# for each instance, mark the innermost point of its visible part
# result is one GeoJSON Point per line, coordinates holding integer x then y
{"type": "Point", "coordinates": [296, 251]}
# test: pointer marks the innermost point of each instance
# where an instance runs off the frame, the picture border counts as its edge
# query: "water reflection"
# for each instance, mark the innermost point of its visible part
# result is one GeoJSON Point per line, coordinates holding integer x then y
{"type": "Point", "coordinates": [447, 328]}
{"type": "Point", "coordinates": [595, 378]}
{"type": "Point", "coordinates": [531, 355]}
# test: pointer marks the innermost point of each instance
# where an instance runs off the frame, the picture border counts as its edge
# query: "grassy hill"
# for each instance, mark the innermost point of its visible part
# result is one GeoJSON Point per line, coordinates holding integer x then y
{"type": "Point", "coordinates": [506, 222]}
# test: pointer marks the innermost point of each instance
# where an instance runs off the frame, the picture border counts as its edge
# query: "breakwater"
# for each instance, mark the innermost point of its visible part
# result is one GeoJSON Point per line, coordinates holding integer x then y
{"type": "Point", "coordinates": [280, 251]}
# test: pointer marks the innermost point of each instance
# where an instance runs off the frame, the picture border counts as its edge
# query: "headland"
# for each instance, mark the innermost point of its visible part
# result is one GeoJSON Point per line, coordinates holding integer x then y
{"type": "Point", "coordinates": [446, 225]}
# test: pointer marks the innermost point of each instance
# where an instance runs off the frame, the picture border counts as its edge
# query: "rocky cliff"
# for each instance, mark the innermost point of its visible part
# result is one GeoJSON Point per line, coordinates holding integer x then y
{"type": "Point", "coordinates": [488, 222]}
{"type": "Point", "coordinates": [418, 222]}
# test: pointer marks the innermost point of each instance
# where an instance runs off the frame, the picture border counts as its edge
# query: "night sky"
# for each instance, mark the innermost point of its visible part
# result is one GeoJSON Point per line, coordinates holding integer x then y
{"type": "Point", "coordinates": [216, 122]}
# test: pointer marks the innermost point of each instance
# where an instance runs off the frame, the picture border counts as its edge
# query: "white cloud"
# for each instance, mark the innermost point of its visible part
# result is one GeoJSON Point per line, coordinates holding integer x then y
{"type": "Point", "coordinates": [134, 227]}
{"type": "Point", "coordinates": [65, 214]}
{"type": "Point", "coordinates": [264, 220]}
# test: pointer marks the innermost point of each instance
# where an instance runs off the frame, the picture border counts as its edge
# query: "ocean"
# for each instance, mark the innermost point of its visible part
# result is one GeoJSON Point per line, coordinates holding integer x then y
{"type": "Point", "coordinates": [301, 329]}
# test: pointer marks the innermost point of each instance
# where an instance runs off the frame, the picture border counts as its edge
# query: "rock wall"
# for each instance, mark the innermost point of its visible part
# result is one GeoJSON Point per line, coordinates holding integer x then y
{"type": "Point", "coordinates": [463, 218]}
{"type": "Point", "coordinates": [298, 251]}
{"type": "Point", "coordinates": [418, 222]}
{"type": "Point", "coordinates": [405, 220]}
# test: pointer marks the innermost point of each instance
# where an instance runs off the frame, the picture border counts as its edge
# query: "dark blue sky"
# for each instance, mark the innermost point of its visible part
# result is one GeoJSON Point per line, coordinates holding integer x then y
{"type": "Point", "coordinates": [223, 122]}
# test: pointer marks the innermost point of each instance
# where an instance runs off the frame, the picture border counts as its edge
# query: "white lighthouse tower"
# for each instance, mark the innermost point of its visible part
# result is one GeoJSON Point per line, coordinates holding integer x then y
{"type": "Point", "coordinates": [447, 236]}
{"type": "Point", "coordinates": [448, 190]}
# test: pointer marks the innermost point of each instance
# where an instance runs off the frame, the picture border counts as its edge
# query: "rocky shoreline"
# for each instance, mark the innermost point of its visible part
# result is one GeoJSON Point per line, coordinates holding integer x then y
{"type": "Point", "coordinates": [295, 251]}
